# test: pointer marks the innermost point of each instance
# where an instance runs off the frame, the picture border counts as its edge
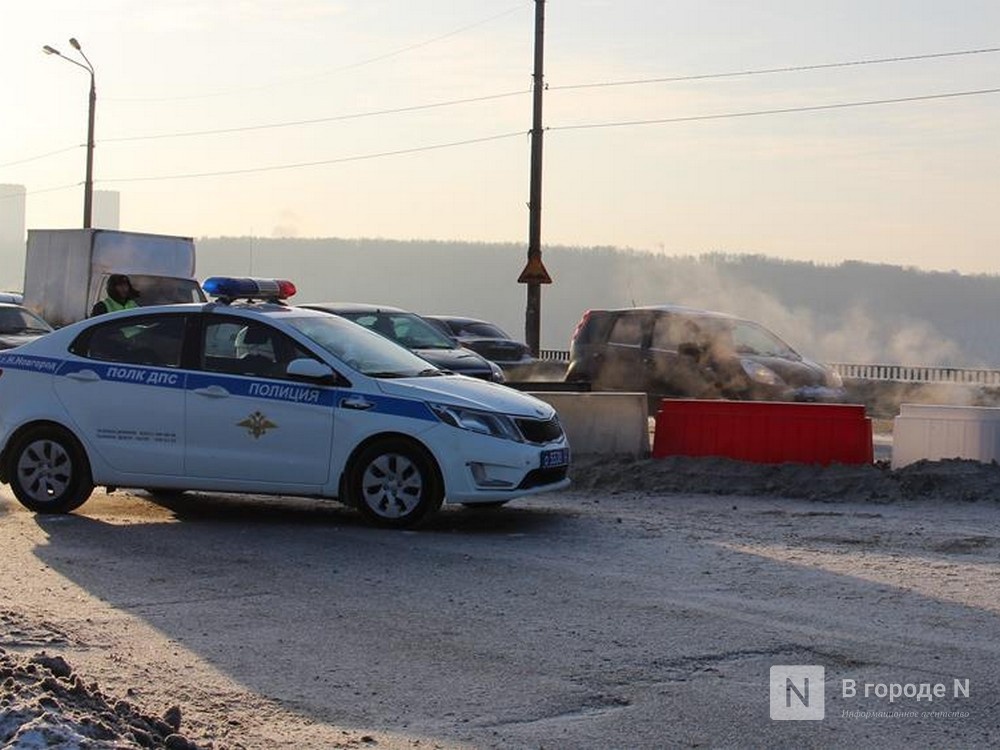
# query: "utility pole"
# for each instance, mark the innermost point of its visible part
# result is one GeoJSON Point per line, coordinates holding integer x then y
{"type": "Point", "coordinates": [534, 273]}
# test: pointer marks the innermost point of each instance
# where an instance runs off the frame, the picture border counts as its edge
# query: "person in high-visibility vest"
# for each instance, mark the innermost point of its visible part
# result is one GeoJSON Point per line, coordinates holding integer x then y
{"type": "Point", "coordinates": [121, 296]}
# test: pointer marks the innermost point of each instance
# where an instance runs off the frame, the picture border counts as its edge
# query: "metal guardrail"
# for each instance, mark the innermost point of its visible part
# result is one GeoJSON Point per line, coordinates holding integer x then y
{"type": "Point", "coordinates": [875, 372]}
{"type": "Point", "coordinates": [918, 374]}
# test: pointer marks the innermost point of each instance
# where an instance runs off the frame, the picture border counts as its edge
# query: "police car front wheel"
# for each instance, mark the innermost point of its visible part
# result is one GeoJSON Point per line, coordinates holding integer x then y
{"type": "Point", "coordinates": [48, 470]}
{"type": "Point", "coordinates": [395, 482]}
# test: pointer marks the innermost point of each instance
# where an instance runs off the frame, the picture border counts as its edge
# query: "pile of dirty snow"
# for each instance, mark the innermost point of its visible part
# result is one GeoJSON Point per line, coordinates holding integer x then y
{"type": "Point", "coordinates": [45, 704]}
{"type": "Point", "coordinates": [950, 480]}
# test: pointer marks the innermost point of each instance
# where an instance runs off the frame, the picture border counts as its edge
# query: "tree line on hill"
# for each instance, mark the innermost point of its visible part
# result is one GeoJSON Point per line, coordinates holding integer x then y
{"type": "Point", "coordinates": [852, 311]}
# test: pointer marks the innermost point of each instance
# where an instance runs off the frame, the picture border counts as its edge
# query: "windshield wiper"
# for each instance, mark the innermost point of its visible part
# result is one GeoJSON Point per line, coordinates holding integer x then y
{"type": "Point", "coordinates": [432, 372]}
{"type": "Point", "coordinates": [386, 374]}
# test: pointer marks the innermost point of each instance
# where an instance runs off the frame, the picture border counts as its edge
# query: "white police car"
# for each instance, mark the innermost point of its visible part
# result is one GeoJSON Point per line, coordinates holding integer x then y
{"type": "Point", "coordinates": [248, 394]}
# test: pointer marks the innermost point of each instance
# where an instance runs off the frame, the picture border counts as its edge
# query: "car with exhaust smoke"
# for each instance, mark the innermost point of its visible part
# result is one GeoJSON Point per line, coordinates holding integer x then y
{"type": "Point", "coordinates": [672, 351]}
{"type": "Point", "coordinates": [249, 394]}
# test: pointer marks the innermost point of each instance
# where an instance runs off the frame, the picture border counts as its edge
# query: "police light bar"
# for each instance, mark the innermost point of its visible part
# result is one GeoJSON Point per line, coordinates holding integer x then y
{"type": "Point", "coordinates": [230, 288]}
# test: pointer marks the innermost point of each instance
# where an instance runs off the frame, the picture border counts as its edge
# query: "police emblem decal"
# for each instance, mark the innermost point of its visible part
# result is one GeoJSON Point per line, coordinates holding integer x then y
{"type": "Point", "coordinates": [257, 424]}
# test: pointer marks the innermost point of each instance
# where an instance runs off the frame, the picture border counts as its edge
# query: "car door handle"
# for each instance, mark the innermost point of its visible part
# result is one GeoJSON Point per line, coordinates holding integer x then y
{"type": "Point", "coordinates": [356, 402]}
{"type": "Point", "coordinates": [212, 391]}
{"type": "Point", "coordinates": [84, 376]}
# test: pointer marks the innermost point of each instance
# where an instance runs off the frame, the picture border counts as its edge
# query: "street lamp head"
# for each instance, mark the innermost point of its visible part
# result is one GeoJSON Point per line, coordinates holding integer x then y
{"type": "Point", "coordinates": [51, 50]}
{"type": "Point", "coordinates": [75, 44]}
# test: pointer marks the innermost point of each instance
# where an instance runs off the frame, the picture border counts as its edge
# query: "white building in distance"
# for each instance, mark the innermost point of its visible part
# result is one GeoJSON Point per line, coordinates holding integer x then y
{"type": "Point", "coordinates": [12, 237]}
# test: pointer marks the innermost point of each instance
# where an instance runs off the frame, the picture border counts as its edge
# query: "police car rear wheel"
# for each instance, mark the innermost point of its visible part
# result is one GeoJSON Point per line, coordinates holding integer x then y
{"type": "Point", "coordinates": [49, 472]}
{"type": "Point", "coordinates": [395, 483]}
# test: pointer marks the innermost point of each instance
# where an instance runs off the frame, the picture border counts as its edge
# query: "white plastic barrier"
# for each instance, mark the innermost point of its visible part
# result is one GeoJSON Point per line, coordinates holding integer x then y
{"type": "Point", "coordinates": [606, 423]}
{"type": "Point", "coordinates": [925, 431]}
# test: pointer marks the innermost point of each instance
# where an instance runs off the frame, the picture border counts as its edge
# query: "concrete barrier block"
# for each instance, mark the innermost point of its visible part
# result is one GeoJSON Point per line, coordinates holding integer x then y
{"type": "Point", "coordinates": [935, 432]}
{"type": "Point", "coordinates": [602, 423]}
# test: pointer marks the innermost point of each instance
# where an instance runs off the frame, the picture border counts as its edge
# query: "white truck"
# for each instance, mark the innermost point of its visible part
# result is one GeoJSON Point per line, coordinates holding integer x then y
{"type": "Point", "coordinates": [66, 270]}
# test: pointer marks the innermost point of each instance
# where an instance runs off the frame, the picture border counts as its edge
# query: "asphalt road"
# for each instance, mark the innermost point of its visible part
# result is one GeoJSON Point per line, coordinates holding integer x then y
{"type": "Point", "coordinates": [564, 621]}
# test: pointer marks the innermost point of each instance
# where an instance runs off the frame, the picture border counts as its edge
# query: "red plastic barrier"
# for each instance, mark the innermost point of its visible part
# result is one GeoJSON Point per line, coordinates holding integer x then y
{"type": "Point", "coordinates": [764, 432]}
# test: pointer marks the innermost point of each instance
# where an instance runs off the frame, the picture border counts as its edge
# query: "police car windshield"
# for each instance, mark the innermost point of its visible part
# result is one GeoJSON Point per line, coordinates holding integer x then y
{"type": "Point", "coordinates": [359, 348]}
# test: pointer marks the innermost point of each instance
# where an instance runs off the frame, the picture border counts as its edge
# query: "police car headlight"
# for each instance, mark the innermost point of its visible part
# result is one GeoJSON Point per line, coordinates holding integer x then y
{"type": "Point", "coordinates": [760, 373]}
{"type": "Point", "coordinates": [483, 422]}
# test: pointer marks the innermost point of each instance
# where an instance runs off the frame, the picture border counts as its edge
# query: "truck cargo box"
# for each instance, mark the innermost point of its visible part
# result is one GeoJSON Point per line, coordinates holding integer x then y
{"type": "Point", "coordinates": [66, 270]}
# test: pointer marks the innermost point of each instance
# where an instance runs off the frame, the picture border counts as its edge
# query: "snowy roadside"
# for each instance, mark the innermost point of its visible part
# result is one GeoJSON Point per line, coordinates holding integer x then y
{"type": "Point", "coordinates": [102, 594]}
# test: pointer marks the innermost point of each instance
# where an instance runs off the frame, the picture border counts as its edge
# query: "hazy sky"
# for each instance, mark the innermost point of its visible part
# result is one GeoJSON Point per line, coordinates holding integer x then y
{"type": "Point", "coordinates": [341, 118]}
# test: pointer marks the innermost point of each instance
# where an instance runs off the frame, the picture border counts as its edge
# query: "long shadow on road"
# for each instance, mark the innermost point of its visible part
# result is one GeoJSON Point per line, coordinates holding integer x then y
{"type": "Point", "coordinates": [193, 507]}
{"type": "Point", "coordinates": [531, 625]}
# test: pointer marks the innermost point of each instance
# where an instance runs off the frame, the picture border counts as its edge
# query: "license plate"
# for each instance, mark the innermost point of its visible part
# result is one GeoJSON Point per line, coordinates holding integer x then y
{"type": "Point", "coordinates": [557, 457]}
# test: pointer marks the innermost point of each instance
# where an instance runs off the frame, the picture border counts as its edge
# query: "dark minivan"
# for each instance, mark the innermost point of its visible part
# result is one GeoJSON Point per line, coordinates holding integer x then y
{"type": "Point", "coordinates": [674, 351]}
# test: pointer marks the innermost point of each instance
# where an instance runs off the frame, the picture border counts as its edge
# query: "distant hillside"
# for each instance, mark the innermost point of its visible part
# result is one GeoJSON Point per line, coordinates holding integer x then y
{"type": "Point", "coordinates": [850, 312]}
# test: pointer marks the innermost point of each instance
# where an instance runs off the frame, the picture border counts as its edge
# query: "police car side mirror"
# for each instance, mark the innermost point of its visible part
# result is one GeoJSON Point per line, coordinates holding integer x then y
{"type": "Point", "coordinates": [310, 369]}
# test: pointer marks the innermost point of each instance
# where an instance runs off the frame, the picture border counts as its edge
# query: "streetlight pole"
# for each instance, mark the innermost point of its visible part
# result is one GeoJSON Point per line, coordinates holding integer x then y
{"type": "Point", "coordinates": [88, 185]}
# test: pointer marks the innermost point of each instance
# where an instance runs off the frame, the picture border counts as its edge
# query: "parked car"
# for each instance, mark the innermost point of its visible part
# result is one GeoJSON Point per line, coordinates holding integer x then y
{"type": "Point", "coordinates": [13, 298]}
{"type": "Point", "coordinates": [247, 394]}
{"type": "Point", "coordinates": [416, 334]}
{"type": "Point", "coordinates": [674, 351]}
{"type": "Point", "coordinates": [486, 338]}
{"type": "Point", "coordinates": [18, 326]}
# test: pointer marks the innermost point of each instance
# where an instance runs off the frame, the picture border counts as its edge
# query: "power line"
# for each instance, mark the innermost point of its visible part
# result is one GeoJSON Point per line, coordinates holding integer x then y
{"type": "Point", "coordinates": [350, 66]}
{"type": "Point", "coordinates": [314, 121]}
{"type": "Point", "coordinates": [786, 69]}
{"type": "Point", "coordinates": [299, 165]}
{"type": "Point", "coordinates": [489, 97]}
{"type": "Point", "coordinates": [788, 110]}
{"type": "Point", "coordinates": [40, 190]}
{"type": "Point", "coordinates": [582, 126]}
{"type": "Point", "coordinates": [41, 156]}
